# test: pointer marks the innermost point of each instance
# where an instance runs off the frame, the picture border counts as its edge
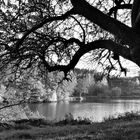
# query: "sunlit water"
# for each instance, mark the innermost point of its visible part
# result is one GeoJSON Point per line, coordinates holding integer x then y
{"type": "Point", "coordinates": [96, 111]}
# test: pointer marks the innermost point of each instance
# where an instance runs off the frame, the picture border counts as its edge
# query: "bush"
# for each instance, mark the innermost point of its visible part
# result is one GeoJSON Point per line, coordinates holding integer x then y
{"type": "Point", "coordinates": [128, 116]}
{"type": "Point", "coordinates": [116, 91]}
{"type": "Point", "coordinates": [98, 90]}
{"type": "Point", "coordinates": [69, 119]}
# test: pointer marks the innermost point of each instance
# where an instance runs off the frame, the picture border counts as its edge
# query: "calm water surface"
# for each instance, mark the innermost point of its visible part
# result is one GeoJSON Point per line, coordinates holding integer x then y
{"type": "Point", "coordinates": [96, 111]}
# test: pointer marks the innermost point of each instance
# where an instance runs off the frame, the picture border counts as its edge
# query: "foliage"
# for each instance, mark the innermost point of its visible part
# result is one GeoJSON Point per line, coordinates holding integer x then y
{"type": "Point", "coordinates": [99, 91]}
{"type": "Point", "coordinates": [70, 120]}
{"type": "Point", "coordinates": [127, 86]}
{"type": "Point", "coordinates": [18, 112]}
{"type": "Point", "coordinates": [82, 83]}
{"type": "Point", "coordinates": [116, 92]}
{"type": "Point", "coordinates": [31, 87]}
{"type": "Point", "coordinates": [98, 77]}
{"type": "Point", "coordinates": [128, 116]}
{"type": "Point", "coordinates": [84, 79]}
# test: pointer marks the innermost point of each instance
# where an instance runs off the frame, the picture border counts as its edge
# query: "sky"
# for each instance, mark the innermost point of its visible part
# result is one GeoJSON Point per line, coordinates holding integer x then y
{"type": "Point", "coordinates": [133, 69]}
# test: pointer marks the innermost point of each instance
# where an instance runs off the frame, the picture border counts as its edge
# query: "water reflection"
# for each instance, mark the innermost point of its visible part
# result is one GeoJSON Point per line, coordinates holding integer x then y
{"type": "Point", "coordinates": [96, 111]}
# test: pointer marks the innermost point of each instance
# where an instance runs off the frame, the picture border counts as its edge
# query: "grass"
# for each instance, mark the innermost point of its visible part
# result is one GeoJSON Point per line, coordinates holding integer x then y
{"type": "Point", "coordinates": [128, 116]}
{"type": "Point", "coordinates": [125, 127]}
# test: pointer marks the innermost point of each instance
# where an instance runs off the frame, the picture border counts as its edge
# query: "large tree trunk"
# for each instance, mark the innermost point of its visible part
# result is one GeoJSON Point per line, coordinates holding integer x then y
{"type": "Point", "coordinates": [130, 36]}
{"type": "Point", "coordinates": [135, 16]}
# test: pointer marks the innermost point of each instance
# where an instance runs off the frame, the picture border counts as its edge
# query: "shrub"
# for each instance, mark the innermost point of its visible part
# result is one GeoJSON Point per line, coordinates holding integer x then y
{"type": "Point", "coordinates": [69, 119]}
{"type": "Point", "coordinates": [116, 91]}
{"type": "Point", "coordinates": [128, 116]}
{"type": "Point", "coordinates": [98, 90]}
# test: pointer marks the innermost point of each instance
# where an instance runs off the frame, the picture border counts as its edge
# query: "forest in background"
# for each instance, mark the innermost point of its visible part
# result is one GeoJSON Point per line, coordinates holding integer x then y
{"type": "Point", "coordinates": [81, 83]}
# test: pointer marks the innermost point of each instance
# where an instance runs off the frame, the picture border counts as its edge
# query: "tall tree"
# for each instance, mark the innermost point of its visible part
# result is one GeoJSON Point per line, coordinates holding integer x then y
{"type": "Point", "coordinates": [49, 35]}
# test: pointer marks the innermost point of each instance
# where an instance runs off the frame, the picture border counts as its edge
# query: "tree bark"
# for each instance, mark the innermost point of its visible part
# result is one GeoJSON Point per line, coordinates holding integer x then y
{"type": "Point", "coordinates": [135, 16]}
{"type": "Point", "coordinates": [129, 36]}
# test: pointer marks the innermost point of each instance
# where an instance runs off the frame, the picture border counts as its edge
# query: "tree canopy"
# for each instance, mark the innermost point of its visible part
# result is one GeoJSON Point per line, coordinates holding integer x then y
{"type": "Point", "coordinates": [48, 35]}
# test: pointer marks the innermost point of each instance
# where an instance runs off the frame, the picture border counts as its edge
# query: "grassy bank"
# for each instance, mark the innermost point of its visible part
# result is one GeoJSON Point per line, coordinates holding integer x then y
{"type": "Point", "coordinates": [125, 127]}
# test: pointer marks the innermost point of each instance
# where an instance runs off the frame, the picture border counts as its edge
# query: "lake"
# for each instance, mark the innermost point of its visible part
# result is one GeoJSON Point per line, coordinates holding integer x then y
{"type": "Point", "coordinates": [96, 111]}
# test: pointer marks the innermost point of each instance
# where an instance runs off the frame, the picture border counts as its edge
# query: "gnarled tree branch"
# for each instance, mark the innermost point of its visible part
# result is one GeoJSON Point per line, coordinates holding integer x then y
{"type": "Point", "coordinates": [107, 44]}
{"type": "Point", "coordinates": [107, 23]}
{"type": "Point", "coordinates": [122, 6]}
{"type": "Point", "coordinates": [135, 13]}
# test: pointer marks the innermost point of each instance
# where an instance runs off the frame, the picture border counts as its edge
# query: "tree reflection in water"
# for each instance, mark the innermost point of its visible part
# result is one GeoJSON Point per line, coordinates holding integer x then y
{"type": "Point", "coordinates": [96, 111]}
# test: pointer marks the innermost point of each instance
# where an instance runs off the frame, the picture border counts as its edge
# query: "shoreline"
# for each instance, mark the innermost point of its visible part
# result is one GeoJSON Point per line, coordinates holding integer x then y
{"type": "Point", "coordinates": [123, 128]}
{"type": "Point", "coordinates": [92, 98]}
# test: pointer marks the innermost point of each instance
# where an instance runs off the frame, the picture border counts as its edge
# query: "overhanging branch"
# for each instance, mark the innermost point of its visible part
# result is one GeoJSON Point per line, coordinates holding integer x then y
{"type": "Point", "coordinates": [107, 44]}
{"type": "Point", "coordinates": [122, 6]}
{"type": "Point", "coordinates": [111, 46]}
{"type": "Point", "coordinates": [107, 23]}
{"type": "Point", "coordinates": [43, 22]}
